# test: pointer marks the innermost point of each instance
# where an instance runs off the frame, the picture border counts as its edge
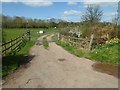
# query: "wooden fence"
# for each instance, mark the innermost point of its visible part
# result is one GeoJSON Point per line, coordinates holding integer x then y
{"type": "Point", "coordinates": [14, 44]}
{"type": "Point", "coordinates": [83, 43]}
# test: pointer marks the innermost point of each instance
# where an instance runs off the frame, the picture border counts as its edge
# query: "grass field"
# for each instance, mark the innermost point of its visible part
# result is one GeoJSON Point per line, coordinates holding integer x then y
{"type": "Point", "coordinates": [12, 62]}
{"type": "Point", "coordinates": [9, 34]}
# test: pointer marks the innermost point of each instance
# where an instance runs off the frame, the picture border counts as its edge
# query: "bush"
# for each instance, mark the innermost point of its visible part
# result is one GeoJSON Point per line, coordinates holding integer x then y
{"type": "Point", "coordinates": [108, 43]}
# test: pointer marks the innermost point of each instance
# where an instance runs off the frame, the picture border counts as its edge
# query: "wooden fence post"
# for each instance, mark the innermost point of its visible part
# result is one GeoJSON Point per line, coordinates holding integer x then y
{"type": "Point", "coordinates": [68, 39]}
{"type": "Point", "coordinates": [29, 34]}
{"type": "Point", "coordinates": [91, 40]}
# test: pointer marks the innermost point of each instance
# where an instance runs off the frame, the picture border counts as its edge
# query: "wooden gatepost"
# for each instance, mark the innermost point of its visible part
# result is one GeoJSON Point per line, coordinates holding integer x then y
{"type": "Point", "coordinates": [91, 41]}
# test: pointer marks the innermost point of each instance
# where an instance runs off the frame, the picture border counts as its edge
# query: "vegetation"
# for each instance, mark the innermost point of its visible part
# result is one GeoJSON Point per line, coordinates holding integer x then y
{"type": "Point", "coordinates": [93, 14]}
{"type": "Point", "coordinates": [12, 33]}
{"type": "Point", "coordinates": [45, 43]}
{"type": "Point", "coordinates": [72, 49]}
{"type": "Point", "coordinates": [22, 22]}
{"type": "Point", "coordinates": [12, 62]}
{"type": "Point", "coordinates": [91, 24]}
{"type": "Point", "coordinates": [9, 34]}
{"type": "Point", "coordinates": [108, 54]}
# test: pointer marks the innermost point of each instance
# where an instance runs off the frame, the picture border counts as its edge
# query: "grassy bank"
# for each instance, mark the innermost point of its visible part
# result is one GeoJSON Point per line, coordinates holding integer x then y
{"type": "Point", "coordinates": [105, 55]}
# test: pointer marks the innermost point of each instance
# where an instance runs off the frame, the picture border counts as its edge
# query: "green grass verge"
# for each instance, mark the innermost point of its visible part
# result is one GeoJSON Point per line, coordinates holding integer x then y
{"type": "Point", "coordinates": [45, 43]}
{"type": "Point", "coordinates": [104, 55]}
{"type": "Point", "coordinates": [72, 49]}
{"type": "Point", "coordinates": [107, 55]}
{"type": "Point", "coordinates": [12, 62]}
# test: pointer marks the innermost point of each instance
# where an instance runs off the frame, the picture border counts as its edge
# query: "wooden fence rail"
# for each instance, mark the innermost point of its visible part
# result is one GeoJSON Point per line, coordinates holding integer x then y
{"type": "Point", "coordinates": [14, 44]}
{"type": "Point", "coordinates": [83, 43]}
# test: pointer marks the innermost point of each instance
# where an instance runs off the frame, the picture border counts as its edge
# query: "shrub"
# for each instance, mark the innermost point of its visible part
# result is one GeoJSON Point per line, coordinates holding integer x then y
{"type": "Point", "coordinates": [108, 43]}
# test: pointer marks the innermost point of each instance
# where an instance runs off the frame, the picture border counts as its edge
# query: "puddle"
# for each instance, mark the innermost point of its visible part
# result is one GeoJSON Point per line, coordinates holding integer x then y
{"type": "Point", "coordinates": [106, 68]}
{"type": "Point", "coordinates": [38, 44]}
{"type": "Point", "coordinates": [61, 59]}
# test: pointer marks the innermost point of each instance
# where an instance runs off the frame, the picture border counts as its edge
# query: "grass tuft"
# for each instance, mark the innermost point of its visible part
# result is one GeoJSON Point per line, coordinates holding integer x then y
{"type": "Point", "coordinates": [45, 43]}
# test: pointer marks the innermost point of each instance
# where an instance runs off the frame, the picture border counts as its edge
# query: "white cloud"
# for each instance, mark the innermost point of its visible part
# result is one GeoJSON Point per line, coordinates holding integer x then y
{"type": "Point", "coordinates": [35, 3]}
{"type": "Point", "coordinates": [98, 1]}
{"type": "Point", "coordinates": [38, 4]}
{"type": "Point", "coordinates": [10, 0]}
{"type": "Point", "coordinates": [110, 3]}
{"type": "Point", "coordinates": [72, 3]}
{"type": "Point", "coordinates": [65, 18]}
{"type": "Point", "coordinates": [71, 19]}
{"type": "Point", "coordinates": [71, 13]}
{"type": "Point", "coordinates": [88, 1]}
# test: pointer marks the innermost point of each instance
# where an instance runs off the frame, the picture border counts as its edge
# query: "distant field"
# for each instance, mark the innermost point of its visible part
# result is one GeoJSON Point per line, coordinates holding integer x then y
{"type": "Point", "coordinates": [9, 34]}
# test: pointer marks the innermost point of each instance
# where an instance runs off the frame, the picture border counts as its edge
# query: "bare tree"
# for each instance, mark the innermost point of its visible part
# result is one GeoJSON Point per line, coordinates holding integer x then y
{"type": "Point", "coordinates": [93, 14]}
{"type": "Point", "coordinates": [90, 20]}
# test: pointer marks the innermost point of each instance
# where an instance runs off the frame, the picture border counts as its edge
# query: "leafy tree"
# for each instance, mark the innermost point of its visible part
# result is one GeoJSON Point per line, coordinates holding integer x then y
{"type": "Point", "coordinates": [18, 21]}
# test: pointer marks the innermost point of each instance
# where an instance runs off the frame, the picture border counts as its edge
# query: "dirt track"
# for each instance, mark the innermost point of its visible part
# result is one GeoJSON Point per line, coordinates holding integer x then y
{"type": "Point", "coordinates": [56, 68]}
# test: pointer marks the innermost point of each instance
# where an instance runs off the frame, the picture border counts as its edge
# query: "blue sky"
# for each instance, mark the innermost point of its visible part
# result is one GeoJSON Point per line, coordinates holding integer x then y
{"type": "Point", "coordinates": [69, 11]}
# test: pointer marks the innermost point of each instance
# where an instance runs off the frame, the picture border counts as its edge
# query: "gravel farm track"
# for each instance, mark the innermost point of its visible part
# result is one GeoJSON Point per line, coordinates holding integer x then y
{"type": "Point", "coordinates": [57, 68]}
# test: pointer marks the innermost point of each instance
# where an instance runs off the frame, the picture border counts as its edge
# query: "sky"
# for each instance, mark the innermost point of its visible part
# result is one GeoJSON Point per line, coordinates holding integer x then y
{"type": "Point", "coordinates": [67, 10]}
